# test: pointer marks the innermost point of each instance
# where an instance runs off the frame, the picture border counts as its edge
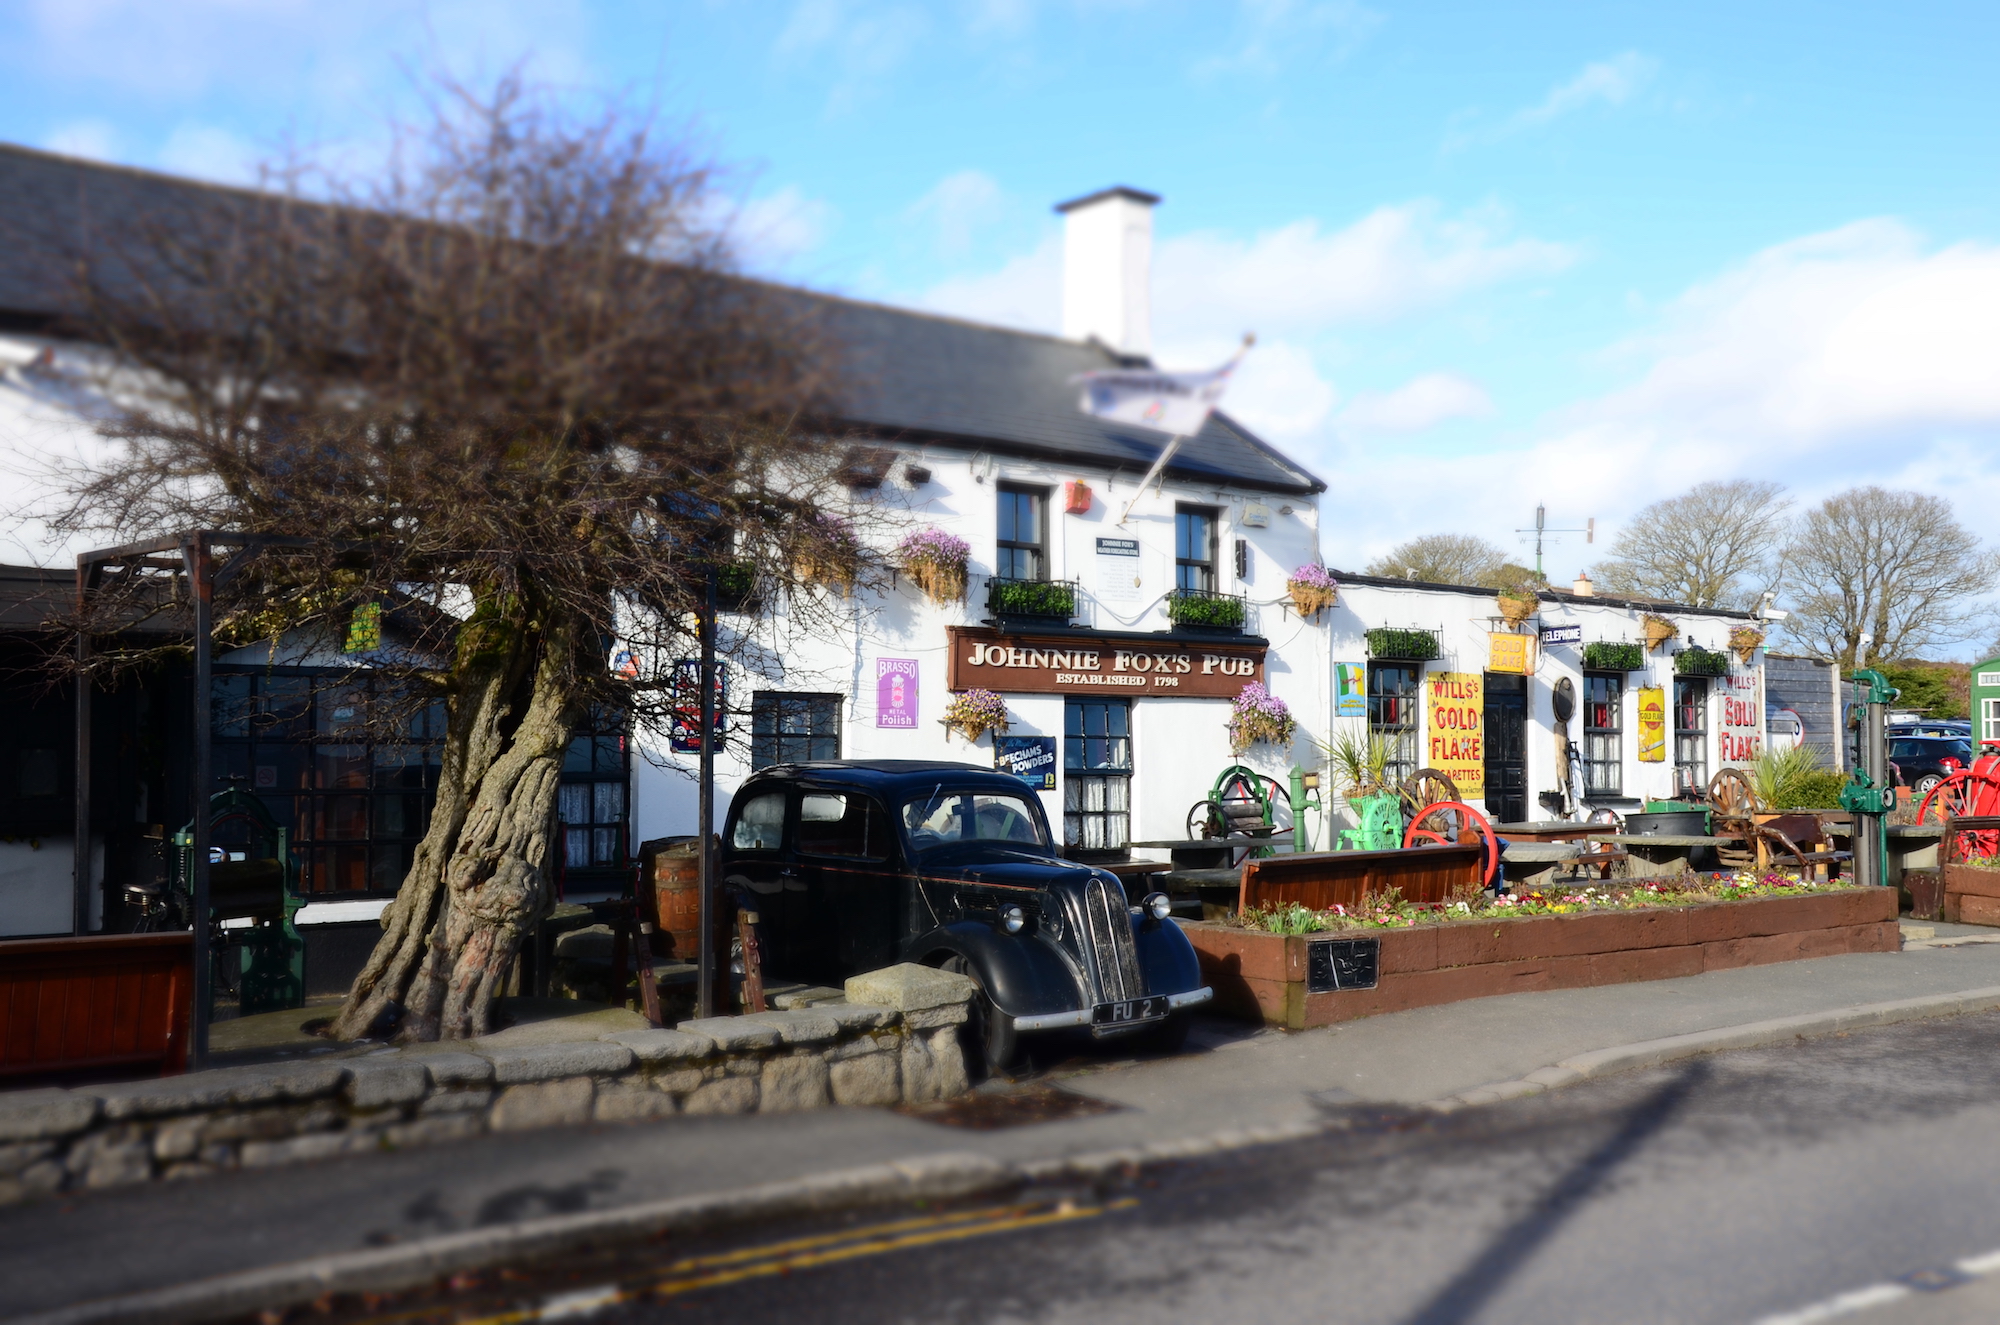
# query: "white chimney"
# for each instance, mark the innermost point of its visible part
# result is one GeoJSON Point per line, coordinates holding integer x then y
{"type": "Point", "coordinates": [1108, 268]}
{"type": "Point", "coordinates": [1583, 587]}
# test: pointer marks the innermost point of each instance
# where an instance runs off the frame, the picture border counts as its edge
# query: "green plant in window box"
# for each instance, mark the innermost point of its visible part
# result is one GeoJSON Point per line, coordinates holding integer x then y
{"type": "Point", "coordinates": [1613, 656]}
{"type": "Point", "coordinates": [1697, 661]}
{"type": "Point", "coordinates": [1039, 598]}
{"type": "Point", "coordinates": [1217, 611]}
{"type": "Point", "coordinates": [1390, 642]}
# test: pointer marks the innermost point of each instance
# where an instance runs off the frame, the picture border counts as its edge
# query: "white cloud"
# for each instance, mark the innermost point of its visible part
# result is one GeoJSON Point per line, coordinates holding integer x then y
{"type": "Point", "coordinates": [1270, 33]}
{"type": "Point", "coordinates": [1395, 261]}
{"type": "Point", "coordinates": [1024, 292]}
{"type": "Point", "coordinates": [1420, 404]}
{"type": "Point", "coordinates": [207, 152]}
{"type": "Point", "coordinates": [1855, 334]}
{"type": "Point", "coordinates": [958, 207]}
{"type": "Point", "coordinates": [777, 229]}
{"type": "Point", "coordinates": [860, 44]}
{"type": "Point", "coordinates": [1610, 82]}
{"type": "Point", "coordinates": [1860, 355]}
{"type": "Point", "coordinates": [95, 139]}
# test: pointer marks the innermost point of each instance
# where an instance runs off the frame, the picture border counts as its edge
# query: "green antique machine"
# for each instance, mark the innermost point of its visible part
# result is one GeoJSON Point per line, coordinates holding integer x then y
{"type": "Point", "coordinates": [1870, 792]}
{"type": "Point", "coordinates": [251, 877]}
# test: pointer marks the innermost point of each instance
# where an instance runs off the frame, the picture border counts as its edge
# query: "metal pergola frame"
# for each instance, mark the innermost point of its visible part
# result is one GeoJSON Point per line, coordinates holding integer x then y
{"type": "Point", "coordinates": [206, 559]}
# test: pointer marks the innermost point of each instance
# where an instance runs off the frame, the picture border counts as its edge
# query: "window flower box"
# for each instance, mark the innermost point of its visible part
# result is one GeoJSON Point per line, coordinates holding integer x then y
{"type": "Point", "coordinates": [1206, 609]}
{"type": "Point", "coordinates": [1613, 656]}
{"type": "Point", "coordinates": [1697, 661]}
{"type": "Point", "coordinates": [1042, 600]}
{"type": "Point", "coordinates": [1404, 643]}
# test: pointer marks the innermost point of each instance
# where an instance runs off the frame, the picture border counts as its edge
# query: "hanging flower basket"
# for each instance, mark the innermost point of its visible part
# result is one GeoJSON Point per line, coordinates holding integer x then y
{"type": "Point", "coordinates": [974, 713]}
{"type": "Point", "coordinates": [828, 554]}
{"type": "Point", "coordinates": [1517, 608]}
{"type": "Point", "coordinates": [1313, 590]}
{"type": "Point", "coordinates": [1744, 641]}
{"type": "Point", "coordinates": [1258, 716]}
{"type": "Point", "coordinates": [935, 562]}
{"type": "Point", "coordinates": [1659, 630]}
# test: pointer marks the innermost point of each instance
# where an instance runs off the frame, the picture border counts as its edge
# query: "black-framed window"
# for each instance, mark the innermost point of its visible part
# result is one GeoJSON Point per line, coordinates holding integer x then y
{"type": "Point", "coordinates": [1394, 697]}
{"type": "Point", "coordinates": [318, 748]}
{"type": "Point", "coordinates": [1690, 733]}
{"type": "Point", "coordinates": [1022, 551]}
{"type": "Point", "coordinates": [1194, 547]}
{"type": "Point", "coordinates": [1603, 734]}
{"type": "Point", "coordinates": [789, 728]}
{"type": "Point", "coordinates": [591, 801]}
{"type": "Point", "coordinates": [1097, 774]}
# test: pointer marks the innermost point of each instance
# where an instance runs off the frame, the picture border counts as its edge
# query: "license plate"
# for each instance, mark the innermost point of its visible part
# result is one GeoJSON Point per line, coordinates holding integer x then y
{"type": "Point", "coordinates": [1128, 1010]}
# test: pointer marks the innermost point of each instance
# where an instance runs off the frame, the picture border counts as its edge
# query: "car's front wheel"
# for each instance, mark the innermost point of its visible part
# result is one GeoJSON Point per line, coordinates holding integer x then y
{"type": "Point", "coordinates": [992, 1044]}
{"type": "Point", "coordinates": [1927, 784]}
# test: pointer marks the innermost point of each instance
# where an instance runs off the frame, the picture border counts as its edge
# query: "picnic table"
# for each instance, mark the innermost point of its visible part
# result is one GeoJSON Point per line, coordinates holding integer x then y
{"type": "Point", "coordinates": [1652, 855]}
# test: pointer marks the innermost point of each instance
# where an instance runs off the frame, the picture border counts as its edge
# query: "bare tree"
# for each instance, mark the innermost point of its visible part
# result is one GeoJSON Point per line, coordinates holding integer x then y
{"type": "Point", "coordinates": [1715, 545]}
{"type": "Point", "coordinates": [514, 376]}
{"type": "Point", "coordinates": [1441, 559]}
{"type": "Point", "coordinates": [1896, 566]}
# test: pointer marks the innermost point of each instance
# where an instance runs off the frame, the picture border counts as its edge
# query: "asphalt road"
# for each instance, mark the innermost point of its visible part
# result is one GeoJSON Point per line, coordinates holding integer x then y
{"type": "Point", "coordinates": [1725, 1189]}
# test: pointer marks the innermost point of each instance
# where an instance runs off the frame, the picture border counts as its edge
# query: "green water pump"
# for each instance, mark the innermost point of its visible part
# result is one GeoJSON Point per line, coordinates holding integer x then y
{"type": "Point", "coordinates": [1870, 792]}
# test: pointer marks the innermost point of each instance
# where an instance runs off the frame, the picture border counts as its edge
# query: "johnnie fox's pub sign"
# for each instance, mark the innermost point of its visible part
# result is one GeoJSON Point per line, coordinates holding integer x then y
{"type": "Point", "coordinates": [1076, 665]}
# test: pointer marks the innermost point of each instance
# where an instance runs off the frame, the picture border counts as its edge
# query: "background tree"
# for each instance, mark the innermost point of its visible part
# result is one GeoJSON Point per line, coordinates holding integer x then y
{"type": "Point", "coordinates": [1894, 565]}
{"type": "Point", "coordinates": [515, 377]}
{"type": "Point", "coordinates": [1441, 559]}
{"type": "Point", "coordinates": [1715, 545]}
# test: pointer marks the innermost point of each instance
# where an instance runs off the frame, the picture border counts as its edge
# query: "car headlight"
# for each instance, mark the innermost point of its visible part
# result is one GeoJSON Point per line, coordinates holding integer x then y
{"type": "Point", "coordinates": [1012, 918]}
{"type": "Point", "coordinates": [1158, 905]}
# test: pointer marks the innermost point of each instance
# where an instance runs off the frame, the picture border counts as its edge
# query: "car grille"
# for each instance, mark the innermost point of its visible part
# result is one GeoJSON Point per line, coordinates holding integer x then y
{"type": "Point", "coordinates": [1109, 925]}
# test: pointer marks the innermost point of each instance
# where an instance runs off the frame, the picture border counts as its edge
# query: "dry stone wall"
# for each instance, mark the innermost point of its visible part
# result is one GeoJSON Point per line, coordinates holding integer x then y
{"type": "Point", "coordinates": [894, 1040]}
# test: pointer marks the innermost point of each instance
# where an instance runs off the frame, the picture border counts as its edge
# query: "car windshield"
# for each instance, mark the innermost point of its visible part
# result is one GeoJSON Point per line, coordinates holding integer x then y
{"type": "Point", "coordinates": [946, 817]}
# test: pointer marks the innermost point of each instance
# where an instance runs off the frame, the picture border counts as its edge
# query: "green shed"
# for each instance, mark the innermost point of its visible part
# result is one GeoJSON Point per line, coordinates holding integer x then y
{"type": "Point", "coordinates": [1986, 702]}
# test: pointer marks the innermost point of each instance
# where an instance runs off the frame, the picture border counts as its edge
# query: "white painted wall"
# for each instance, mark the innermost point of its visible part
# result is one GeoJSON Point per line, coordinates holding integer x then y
{"type": "Point", "coordinates": [1464, 619]}
{"type": "Point", "coordinates": [1180, 745]}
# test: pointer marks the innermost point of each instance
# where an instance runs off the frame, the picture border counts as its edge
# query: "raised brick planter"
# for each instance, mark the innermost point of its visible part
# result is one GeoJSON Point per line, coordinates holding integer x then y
{"type": "Point", "coordinates": [1971, 895]}
{"type": "Point", "coordinates": [1263, 976]}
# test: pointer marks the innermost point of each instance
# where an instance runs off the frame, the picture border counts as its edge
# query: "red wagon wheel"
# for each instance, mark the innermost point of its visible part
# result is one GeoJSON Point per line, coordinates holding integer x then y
{"type": "Point", "coordinates": [1963, 793]}
{"type": "Point", "coordinates": [1447, 823]}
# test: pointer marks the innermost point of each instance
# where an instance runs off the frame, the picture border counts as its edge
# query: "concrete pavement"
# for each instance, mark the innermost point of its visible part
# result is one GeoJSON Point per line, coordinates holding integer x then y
{"type": "Point", "coordinates": [95, 1245]}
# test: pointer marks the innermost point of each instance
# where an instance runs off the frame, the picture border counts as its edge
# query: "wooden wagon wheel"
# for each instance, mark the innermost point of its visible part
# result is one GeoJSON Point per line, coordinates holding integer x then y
{"type": "Point", "coordinates": [1450, 822]}
{"type": "Point", "coordinates": [1775, 842]}
{"type": "Point", "coordinates": [1730, 794]}
{"type": "Point", "coordinates": [1427, 786]}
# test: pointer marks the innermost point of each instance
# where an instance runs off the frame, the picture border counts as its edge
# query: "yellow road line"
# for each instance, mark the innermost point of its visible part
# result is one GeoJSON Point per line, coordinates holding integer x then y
{"type": "Point", "coordinates": [721, 1268]}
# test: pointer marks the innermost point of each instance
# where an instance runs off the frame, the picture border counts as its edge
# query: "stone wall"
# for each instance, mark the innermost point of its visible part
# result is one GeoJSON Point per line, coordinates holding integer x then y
{"type": "Point", "coordinates": [894, 1040]}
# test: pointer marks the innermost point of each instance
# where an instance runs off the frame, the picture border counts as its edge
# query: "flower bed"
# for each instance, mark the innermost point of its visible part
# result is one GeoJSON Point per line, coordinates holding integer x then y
{"type": "Point", "coordinates": [1448, 951]}
{"type": "Point", "coordinates": [1972, 893]}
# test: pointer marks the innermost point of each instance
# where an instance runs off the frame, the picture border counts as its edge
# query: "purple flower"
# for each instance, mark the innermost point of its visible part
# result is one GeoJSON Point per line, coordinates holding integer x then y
{"type": "Point", "coordinates": [1313, 576]}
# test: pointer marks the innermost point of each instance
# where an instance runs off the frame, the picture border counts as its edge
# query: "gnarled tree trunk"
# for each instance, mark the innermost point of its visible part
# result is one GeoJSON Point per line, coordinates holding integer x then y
{"type": "Point", "coordinates": [481, 876]}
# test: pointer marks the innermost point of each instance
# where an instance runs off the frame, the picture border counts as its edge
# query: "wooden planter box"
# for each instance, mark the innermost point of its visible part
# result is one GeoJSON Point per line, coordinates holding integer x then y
{"type": "Point", "coordinates": [1971, 895]}
{"type": "Point", "coordinates": [101, 1003]}
{"type": "Point", "coordinates": [1262, 976]}
{"type": "Point", "coordinates": [1325, 879]}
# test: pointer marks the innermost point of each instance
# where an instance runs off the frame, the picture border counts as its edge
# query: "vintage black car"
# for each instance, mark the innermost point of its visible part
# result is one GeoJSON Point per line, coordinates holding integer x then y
{"type": "Point", "coordinates": [855, 866]}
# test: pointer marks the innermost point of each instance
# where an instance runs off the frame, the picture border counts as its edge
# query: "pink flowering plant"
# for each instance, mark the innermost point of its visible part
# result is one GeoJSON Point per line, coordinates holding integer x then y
{"type": "Point", "coordinates": [1313, 589]}
{"type": "Point", "coordinates": [1258, 715]}
{"type": "Point", "coordinates": [1390, 911]}
{"type": "Point", "coordinates": [935, 560]}
{"type": "Point", "coordinates": [973, 713]}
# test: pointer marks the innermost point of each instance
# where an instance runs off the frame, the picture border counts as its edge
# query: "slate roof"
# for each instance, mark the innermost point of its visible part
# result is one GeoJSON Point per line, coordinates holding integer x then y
{"type": "Point", "coordinates": [910, 376]}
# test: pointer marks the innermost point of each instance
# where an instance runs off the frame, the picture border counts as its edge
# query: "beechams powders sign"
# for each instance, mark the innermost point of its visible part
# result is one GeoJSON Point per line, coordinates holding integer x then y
{"type": "Point", "coordinates": [1030, 758]}
{"type": "Point", "coordinates": [895, 692]}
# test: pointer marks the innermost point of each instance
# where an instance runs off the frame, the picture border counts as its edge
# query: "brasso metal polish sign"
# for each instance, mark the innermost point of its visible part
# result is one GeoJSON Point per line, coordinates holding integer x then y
{"type": "Point", "coordinates": [988, 660]}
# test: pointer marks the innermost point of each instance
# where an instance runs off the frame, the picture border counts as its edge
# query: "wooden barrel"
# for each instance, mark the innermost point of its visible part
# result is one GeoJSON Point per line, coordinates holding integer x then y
{"type": "Point", "coordinates": [673, 864]}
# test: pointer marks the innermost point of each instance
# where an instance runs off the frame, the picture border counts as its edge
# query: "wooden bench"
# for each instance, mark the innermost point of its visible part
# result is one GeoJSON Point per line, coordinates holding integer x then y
{"type": "Point", "coordinates": [101, 1004]}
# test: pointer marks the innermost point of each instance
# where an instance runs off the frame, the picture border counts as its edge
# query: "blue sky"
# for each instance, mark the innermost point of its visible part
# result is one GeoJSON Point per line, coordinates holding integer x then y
{"type": "Point", "coordinates": [1583, 254]}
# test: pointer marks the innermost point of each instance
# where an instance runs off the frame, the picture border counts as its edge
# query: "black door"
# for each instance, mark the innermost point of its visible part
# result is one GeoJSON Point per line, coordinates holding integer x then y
{"type": "Point", "coordinates": [1506, 747]}
{"type": "Point", "coordinates": [760, 874]}
{"type": "Point", "coordinates": [846, 855]}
